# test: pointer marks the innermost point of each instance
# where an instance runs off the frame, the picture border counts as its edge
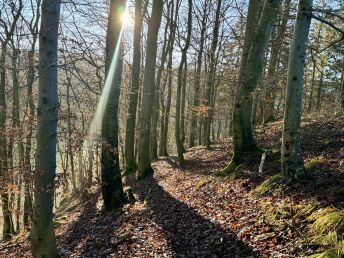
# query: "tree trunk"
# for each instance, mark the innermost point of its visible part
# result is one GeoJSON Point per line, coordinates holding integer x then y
{"type": "Point", "coordinates": [179, 87]}
{"type": "Point", "coordinates": [144, 166]}
{"type": "Point", "coordinates": [291, 159]}
{"type": "Point", "coordinates": [251, 69]}
{"type": "Point", "coordinates": [156, 107]}
{"type": "Point", "coordinates": [197, 82]}
{"type": "Point", "coordinates": [167, 107]}
{"type": "Point", "coordinates": [135, 84]}
{"type": "Point", "coordinates": [42, 237]}
{"type": "Point", "coordinates": [211, 74]}
{"type": "Point", "coordinates": [112, 188]}
{"type": "Point", "coordinates": [276, 48]}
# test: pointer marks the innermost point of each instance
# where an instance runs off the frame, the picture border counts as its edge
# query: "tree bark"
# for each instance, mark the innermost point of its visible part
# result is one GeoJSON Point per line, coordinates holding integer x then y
{"type": "Point", "coordinates": [144, 166]}
{"type": "Point", "coordinates": [211, 74]}
{"type": "Point", "coordinates": [131, 164]}
{"type": "Point", "coordinates": [112, 188]}
{"type": "Point", "coordinates": [179, 87]}
{"type": "Point", "coordinates": [197, 83]}
{"type": "Point", "coordinates": [42, 237]}
{"type": "Point", "coordinates": [291, 158]}
{"type": "Point", "coordinates": [251, 69]}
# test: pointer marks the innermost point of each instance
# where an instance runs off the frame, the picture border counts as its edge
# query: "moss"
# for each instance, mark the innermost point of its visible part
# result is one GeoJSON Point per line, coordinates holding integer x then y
{"type": "Point", "coordinates": [202, 182]}
{"type": "Point", "coordinates": [269, 185]}
{"type": "Point", "coordinates": [333, 221]}
{"type": "Point", "coordinates": [314, 163]}
{"type": "Point", "coordinates": [336, 252]}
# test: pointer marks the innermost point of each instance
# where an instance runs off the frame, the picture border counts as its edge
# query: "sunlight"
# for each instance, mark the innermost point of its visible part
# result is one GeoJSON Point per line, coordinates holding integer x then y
{"type": "Point", "coordinates": [127, 19]}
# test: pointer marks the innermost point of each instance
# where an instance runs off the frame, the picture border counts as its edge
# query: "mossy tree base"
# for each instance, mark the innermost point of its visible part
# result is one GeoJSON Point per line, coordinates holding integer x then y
{"type": "Point", "coordinates": [130, 168]}
{"type": "Point", "coordinates": [145, 173]}
{"type": "Point", "coordinates": [238, 161]}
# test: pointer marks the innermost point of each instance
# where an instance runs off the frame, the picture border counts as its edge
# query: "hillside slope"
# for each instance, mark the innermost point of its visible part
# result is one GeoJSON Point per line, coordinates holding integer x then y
{"type": "Point", "coordinates": [190, 212]}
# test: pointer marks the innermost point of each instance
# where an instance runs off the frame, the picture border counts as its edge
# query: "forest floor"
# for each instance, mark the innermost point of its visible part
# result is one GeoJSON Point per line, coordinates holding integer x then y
{"type": "Point", "coordinates": [191, 212]}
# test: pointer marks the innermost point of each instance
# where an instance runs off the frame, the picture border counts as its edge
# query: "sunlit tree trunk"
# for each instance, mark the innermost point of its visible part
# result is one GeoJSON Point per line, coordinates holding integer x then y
{"type": "Point", "coordinates": [148, 90]}
{"type": "Point", "coordinates": [42, 237]}
{"type": "Point", "coordinates": [112, 188]}
{"type": "Point", "coordinates": [291, 159]}
{"type": "Point", "coordinates": [251, 69]}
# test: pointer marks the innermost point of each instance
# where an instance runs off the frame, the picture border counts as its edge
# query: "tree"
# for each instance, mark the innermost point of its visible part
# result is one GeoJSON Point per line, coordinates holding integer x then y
{"type": "Point", "coordinates": [291, 158]}
{"type": "Point", "coordinates": [181, 72]}
{"type": "Point", "coordinates": [42, 234]}
{"type": "Point", "coordinates": [166, 106]}
{"type": "Point", "coordinates": [197, 81]}
{"type": "Point", "coordinates": [8, 23]}
{"type": "Point", "coordinates": [211, 75]}
{"type": "Point", "coordinates": [251, 68]}
{"type": "Point", "coordinates": [112, 188]}
{"type": "Point", "coordinates": [144, 165]}
{"type": "Point", "coordinates": [135, 84]}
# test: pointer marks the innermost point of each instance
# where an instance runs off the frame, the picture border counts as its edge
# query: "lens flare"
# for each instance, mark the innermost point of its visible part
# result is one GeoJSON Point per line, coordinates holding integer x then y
{"type": "Point", "coordinates": [94, 131]}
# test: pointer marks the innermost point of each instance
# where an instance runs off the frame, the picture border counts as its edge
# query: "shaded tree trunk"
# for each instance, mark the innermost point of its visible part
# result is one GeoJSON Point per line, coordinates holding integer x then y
{"type": "Point", "coordinates": [112, 188]}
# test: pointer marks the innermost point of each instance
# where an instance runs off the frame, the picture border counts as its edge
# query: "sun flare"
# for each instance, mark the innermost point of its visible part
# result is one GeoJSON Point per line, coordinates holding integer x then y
{"type": "Point", "coordinates": [126, 19]}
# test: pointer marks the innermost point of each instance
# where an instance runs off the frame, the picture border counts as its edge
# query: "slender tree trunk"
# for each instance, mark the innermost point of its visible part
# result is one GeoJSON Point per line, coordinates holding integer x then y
{"type": "Point", "coordinates": [310, 105]}
{"type": "Point", "coordinates": [211, 74]}
{"type": "Point", "coordinates": [342, 90]}
{"type": "Point", "coordinates": [112, 188]}
{"type": "Point", "coordinates": [182, 108]}
{"type": "Point", "coordinates": [7, 218]}
{"type": "Point", "coordinates": [144, 166]}
{"type": "Point", "coordinates": [291, 158]}
{"type": "Point", "coordinates": [156, 107]}
{"type": "Point", "coordinates": [319, 92]}
{"type": "Point", "coordinates": [179, 86]}
{"type": "Point", "coordinates": [167, 107]}
{"type": "Point", "coordinates": [135, 84]}
{"type": "Point", "coordinates": [251, 69]}
{"type": "Point", "coordinates": [42, 237]}
{"type": "Point", "coordinates": [197, 82]}
{"type": "Point", "coordinates": [276, 49]}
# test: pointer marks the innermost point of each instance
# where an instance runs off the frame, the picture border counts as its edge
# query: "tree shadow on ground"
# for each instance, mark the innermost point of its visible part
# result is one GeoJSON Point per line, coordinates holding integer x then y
{"type": "Point", "coordinates": [186, 232]}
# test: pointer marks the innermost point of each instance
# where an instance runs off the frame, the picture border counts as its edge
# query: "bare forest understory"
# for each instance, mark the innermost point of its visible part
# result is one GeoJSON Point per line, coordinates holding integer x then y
{"type": "Point", "coordinates": [191, 212]}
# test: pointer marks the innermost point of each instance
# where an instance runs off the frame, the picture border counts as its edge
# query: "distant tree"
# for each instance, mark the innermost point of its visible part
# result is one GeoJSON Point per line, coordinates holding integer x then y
{"type": "Point", "coordinates": [42, 234]}
{"type": "Point", "coordinates": [148, 90]}
{"type": "Point", "coordinates": [197, 96]}
{"type": "Point", "coordinates": [291, 158]}
{"type": "Point", "coordinates": [211, 74]}
{"type": "Point", "coordinates": [9, 17]}
{"type": "Point", "coordinates": [112, 188]}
